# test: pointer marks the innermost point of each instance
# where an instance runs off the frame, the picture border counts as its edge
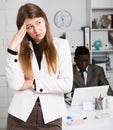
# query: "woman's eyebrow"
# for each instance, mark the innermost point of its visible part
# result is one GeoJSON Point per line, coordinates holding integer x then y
{"type": "Point", "coordinates": [28, 24]}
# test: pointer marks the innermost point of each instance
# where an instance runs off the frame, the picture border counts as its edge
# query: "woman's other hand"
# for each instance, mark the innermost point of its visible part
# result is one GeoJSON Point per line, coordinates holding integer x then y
{"type": "Point", "coordinates": [27, 84]}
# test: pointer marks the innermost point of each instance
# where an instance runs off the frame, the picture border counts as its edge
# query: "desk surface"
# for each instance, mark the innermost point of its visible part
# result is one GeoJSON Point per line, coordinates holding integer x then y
{"type": "Point", "coordinates": [91, 123]}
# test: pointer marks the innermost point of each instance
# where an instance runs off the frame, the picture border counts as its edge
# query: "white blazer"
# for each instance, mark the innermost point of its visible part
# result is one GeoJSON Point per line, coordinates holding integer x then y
{"type": "Point", "coordinates": [53, 86]}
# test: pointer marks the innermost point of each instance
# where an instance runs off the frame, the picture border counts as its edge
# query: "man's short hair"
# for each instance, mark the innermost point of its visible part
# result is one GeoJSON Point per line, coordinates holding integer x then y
{"type": "Point", "coordinates": [81, 50]}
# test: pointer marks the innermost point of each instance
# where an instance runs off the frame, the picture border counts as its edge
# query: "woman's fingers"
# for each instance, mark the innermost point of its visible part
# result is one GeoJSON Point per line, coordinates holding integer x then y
{"type": "Point", "coordinates": [17, 39]}
{"type": "Point", "coordinates": [22, 31]}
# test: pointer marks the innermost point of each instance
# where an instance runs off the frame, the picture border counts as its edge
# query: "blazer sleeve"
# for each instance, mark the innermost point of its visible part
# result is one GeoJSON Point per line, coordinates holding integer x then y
{"type": "Point", "coordinates": [103, 81]}
{"type": "Point", "coordinates": [102, 78]}
{"type": "Point", "coordinates": [14, 74]}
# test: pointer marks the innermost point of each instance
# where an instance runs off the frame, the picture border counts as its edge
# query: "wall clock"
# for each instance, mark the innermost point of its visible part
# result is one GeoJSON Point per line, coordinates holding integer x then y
{"type": "Point", "coordinates": [62, 19]}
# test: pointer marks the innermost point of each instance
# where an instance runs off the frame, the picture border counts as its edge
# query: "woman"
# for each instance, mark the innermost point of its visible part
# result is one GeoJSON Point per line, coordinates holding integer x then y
{"type": "Point", "coordinates": [39, 69]}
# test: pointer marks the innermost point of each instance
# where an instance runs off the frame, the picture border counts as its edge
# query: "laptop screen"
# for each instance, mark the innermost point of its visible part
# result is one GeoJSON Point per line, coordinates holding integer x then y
{"type": "Point", "coordinates": [88, 94]}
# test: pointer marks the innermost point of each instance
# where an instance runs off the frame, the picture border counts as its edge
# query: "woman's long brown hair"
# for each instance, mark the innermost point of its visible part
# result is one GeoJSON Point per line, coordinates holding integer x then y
{"type": "Point", "coordinates": [30, 10]}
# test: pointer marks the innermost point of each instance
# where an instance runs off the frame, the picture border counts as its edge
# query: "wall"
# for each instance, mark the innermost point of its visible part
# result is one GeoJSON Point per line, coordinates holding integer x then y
{"type": "Point", "coordinates": [77, 8]}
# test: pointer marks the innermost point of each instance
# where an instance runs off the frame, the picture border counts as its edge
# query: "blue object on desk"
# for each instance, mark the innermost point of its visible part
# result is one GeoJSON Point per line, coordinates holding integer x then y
{"type": "Point", "coordinates": [69, 118]}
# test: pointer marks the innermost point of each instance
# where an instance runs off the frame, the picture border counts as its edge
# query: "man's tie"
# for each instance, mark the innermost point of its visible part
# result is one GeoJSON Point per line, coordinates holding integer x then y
{"type": "Point", "coordinates": [82, 74]}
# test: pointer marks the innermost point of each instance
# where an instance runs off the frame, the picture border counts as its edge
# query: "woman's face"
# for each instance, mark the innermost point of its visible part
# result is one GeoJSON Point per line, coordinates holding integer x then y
{"type": "Point", "coordinates": [36, 28]}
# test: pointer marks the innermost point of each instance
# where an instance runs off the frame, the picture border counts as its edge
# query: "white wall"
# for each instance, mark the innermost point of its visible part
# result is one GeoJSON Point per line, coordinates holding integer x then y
{"type": "Point", "coordinates": [77, 8]}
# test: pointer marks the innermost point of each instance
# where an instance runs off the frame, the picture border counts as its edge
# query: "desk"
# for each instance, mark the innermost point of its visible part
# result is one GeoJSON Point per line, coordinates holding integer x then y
{"type": "Point", "coordinates": [91, 123]}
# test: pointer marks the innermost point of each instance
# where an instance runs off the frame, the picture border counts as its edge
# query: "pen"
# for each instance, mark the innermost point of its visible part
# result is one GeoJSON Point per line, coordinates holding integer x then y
{"type": "Point", "coordinates": [70, 118]}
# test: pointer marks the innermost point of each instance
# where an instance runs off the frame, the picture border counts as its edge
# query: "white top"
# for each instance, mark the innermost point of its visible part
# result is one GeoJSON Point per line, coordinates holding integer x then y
{"type": "Point", "coordinates": [85, 74]}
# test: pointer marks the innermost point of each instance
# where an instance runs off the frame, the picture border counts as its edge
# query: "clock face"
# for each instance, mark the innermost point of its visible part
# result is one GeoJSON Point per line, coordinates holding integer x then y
{"type": "Point", "coordinates": [62, 19]}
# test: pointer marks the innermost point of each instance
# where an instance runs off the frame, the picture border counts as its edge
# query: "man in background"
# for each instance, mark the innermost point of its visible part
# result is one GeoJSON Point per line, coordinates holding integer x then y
{"type": "Point", "coordinates": [86, 74]}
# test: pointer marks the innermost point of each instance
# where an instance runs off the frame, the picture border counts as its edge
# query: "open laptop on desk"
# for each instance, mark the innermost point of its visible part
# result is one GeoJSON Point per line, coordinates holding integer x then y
{"type": "Point", "coordinates": [87, 94]}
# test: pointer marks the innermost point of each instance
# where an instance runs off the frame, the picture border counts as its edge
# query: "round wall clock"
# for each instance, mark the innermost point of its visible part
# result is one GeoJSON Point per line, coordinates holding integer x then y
{"type": "Point", "coordinates": [62, 19]}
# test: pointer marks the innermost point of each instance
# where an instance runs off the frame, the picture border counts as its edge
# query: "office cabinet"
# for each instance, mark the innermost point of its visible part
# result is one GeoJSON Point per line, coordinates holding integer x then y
{"type": "Point", "coordinates": [100, 20]}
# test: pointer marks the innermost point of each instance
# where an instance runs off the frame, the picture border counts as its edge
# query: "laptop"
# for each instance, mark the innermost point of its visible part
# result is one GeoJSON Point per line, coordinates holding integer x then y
{"type": "Point", "coordinates": [85, 94]}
